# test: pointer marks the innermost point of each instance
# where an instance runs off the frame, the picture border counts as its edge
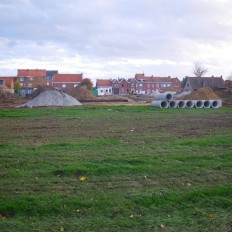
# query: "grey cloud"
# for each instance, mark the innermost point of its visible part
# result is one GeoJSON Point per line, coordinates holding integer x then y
{"type": "Point", "coordinates": [112, 29]}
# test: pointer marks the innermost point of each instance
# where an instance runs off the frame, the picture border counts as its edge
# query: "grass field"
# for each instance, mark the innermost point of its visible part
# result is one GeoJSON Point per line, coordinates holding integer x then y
{"type": "Point", "coordinates": [146, 169]}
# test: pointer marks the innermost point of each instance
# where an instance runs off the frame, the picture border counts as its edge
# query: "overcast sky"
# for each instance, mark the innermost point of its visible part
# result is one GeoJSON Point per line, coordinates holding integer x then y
{"type": "Point", "coordinates": [116, 38]}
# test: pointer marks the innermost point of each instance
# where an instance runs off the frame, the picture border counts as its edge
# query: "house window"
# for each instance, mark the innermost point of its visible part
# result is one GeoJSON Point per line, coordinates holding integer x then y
{"type": "Point", "coordinates": [101, 90]}
{"type": "Point", "coordinates": [148, 85]}
{"type": "Point", "coordinates": [75, 85]}
{"type": "Point", "coordinates": [31, 79]}
{"type": "Point", "coordinates": [63, 85]}
{"type": "Point", "coordinates": [21, 84]}
{"type": "Point", "coordinates": [157, 85]}
{"type": "Point", "coordinates": [21, 79]}
{"type": "Point", "coordinates": [153, 86]}
{"type": "Point", "coordinates": [109, 90]}
{"type": "Point", "coordinates": [141, 85]}
{"type": "Point", "coordinates": [136, 85]}
{"type": "Point", "coordinates": [29, 85]}
{"type": "Point", "coordinates": [1, 82]}
{"type": "Point", "coordinates": [168, 85]}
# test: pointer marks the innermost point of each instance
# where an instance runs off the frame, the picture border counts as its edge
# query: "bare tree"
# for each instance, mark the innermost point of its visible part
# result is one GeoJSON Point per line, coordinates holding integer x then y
{"type": "Point", "coordinates": [199, 70]}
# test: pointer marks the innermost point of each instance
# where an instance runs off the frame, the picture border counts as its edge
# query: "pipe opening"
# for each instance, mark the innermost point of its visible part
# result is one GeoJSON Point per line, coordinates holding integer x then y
{"type": "Point", "coordinates": [215, 104]}
{"type": "Point", "coordinates": [206, 104]}
{"type": "Point", "coordinates": [164, 104]}
{"type": "Point", "coordinates": [189, 104]}
{"type": "Point", "coordinates": [199, 104]}
{"type": "Point", "coordinates": [169, 96]}
{"type": "Point", "coordinates": [181, 104]}
{"type": "Point", "coordinates": [172, 104]}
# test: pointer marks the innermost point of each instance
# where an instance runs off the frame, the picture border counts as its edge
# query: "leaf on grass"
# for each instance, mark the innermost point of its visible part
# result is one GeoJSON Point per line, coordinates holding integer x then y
{"type": "Point", "coordinates": [61, 229]}
{"type": "Point", "coordinates": [83, 178]}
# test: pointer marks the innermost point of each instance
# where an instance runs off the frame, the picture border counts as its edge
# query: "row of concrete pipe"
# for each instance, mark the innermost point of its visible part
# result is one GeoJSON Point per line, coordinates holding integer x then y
{"type": "Point", "coordinates": [165, 100]}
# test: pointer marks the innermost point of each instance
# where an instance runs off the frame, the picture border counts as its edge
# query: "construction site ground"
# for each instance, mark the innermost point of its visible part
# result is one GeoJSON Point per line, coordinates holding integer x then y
{"type": "Point", "coordinates": [8, 100]}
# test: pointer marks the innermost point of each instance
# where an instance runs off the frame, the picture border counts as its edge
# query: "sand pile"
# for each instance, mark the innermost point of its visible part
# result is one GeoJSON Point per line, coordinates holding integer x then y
{"type": "Point", "coordinates": [52, 98]}
{"type": "Point", "coordinates": [201, 94]}
{"type": "Point", "coordinates": [81, 93]}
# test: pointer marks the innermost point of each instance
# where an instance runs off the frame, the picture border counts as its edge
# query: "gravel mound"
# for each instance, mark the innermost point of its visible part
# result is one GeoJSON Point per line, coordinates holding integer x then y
{"type": "Point", "coordinates": [52, 98]}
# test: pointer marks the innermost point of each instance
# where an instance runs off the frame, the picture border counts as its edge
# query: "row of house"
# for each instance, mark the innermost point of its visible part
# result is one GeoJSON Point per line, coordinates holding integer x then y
{"type": "Point", "coordinates": [30, 79]}
{"type": "Point", "coordinates": [140, 84]}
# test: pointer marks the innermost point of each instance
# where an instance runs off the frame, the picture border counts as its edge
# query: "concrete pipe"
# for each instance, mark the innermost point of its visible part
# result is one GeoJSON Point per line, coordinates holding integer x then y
{"type": "Point", "coordinates": [199, 103]}
{"type": "Point", "coordinates": [173, 104]}
{"type": "Point", "coordinates": [160, 104]}
{"type": "Point", "coordinates": [181, 104]}
{"type": "Point", "coordinates": [207, 104]}
{"type": "Point", "coordinates": [189, 104]}
{"type": "Point", "coordinates": [163, 96]}
{"type": "Point", "coordinates": [214, 103]}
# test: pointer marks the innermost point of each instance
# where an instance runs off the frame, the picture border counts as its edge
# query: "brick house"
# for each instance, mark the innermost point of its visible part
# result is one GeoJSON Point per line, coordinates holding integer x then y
{"type": "Point", "coordinates": [30, 79]}
{"type": "Point", "coordinates": [120, 86]}
{"type": "Point", "coordinates": [66, 81]}
{"type": "Point", "coordinates": [7, 83]}
{"type": "Point", "coordinates": [194, 83]}
{"type": "Point", "coordinates": [149, 84]}
{"type": "Point", "coordinates": [104, 87]}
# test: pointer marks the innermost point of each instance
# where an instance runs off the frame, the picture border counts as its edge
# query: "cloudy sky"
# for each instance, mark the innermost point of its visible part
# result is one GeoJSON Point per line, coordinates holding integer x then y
{"type": "Point", "coordinates": [116, 38]}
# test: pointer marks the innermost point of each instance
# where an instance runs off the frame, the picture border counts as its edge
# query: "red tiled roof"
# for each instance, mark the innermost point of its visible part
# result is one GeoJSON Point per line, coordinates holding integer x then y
{"type": "Point", "coordinates": [31, 73]}
{"type": "Point", "coordinates": [67, 78]}
{"type": "Point", "coordinates": [139, 76]}
{"type": "Point", "coordinates": [101, 82]}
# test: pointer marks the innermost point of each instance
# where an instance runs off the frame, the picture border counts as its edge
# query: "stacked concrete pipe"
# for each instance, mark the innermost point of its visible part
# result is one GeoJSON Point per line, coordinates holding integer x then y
{"type": "Point", "coordinates": [173, 104]}
{"type": "Point", "coordinates": [215, 103]}
{"type": "Point", "coordinates": [181, 104]}
{"type": "Point", "coordinates": [164, 96]}
{"type": "Point", "coordinates": [198, 103]}
{"type": "Point", "coordinates": [165, 100]}
{"type": "Point", "coordinates": [189, 104]}
{"type": "Point", "coordinates": [207, 104]}
{"type": "Point", "coordinates": [160, 104]}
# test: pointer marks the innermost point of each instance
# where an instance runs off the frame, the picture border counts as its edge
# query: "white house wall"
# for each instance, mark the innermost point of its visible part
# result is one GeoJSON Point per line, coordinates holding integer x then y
{"type": "Point", "coordinates": [104, 91]}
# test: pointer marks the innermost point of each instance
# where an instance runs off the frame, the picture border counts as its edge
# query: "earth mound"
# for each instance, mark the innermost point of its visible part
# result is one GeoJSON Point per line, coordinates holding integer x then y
{"type": "Point", "coordinates": [6, 96]}
{"type": "Point", "coordinates": [201, 94]}
{"type": "Point", "coordinates": [81, 93]}
{"type": "Point", "coordinates": [52, 98]}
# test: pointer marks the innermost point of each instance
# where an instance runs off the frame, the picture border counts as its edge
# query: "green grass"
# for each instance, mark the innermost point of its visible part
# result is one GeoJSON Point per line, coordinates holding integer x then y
{"type": "Point", "coordinates": [144, 167]}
